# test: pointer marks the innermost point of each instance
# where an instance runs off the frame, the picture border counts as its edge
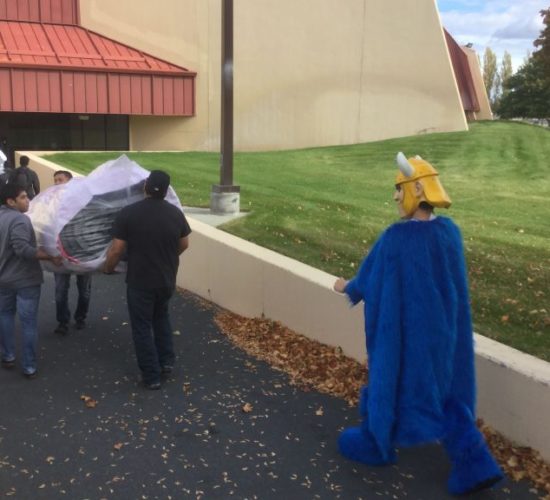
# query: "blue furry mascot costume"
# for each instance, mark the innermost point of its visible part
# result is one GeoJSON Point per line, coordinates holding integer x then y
{"type": "Point", "coordinates": [419, 338]}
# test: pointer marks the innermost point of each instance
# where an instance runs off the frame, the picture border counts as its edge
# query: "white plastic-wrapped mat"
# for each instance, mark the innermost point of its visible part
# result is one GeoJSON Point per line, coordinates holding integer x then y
{"type": "Point", "coordinates": [75, 219]}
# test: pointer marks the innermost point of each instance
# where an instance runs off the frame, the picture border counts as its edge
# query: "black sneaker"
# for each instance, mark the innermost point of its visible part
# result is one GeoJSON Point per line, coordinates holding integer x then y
{"type": "Point", "coordinates": [30, 376]}
{"type": "Point", "coordinates": [152, 386]}
{"type": "Point", "coordinates": [80, 324]}
{"type": "Point", "coordinates": [166, 369]}
{"type": "Point", "coordinates": [62, 329]}
{"type": "Point", "coordinates": [8, 365]}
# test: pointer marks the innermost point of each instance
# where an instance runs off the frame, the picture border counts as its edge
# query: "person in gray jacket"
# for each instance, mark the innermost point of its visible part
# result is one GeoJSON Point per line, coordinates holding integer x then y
{"type": "Point", "coordinates": [20, 278]}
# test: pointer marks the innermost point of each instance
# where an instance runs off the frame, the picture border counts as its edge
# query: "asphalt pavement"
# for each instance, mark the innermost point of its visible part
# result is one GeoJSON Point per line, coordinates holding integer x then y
{"type": "Point", "coordinates": [86, 429]}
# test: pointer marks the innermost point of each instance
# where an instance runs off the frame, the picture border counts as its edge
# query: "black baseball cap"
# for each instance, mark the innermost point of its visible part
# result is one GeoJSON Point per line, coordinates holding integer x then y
{"type": "Point", "coordinates": [157, 183]}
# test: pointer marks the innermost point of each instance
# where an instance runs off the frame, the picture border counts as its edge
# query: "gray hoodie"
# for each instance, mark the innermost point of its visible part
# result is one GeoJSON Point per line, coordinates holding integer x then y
{"type": "Point", "coordinates": [19, 267]}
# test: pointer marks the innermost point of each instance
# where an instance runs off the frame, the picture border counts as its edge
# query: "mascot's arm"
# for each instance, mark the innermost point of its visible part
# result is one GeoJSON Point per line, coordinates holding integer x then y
{"type": "Point", "coordinates": [357, 287]}
{"type": "Point", "coordinates": [378, 284]}
{"type": "Point", "coordinates": [384, 339]}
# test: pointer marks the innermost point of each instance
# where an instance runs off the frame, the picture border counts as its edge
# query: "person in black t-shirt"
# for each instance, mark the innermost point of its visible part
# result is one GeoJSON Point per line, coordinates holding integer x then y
{"type": "Point", "coordinates": [153, 233]}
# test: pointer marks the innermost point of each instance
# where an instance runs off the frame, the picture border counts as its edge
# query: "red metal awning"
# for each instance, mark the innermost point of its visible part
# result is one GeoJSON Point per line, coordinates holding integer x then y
{"type": "Point", "coordinates": [68, 69]}
{"type": "Point", "coordinates": [463, 74]}
{"type": "Point", "coordinates": [41, 11]}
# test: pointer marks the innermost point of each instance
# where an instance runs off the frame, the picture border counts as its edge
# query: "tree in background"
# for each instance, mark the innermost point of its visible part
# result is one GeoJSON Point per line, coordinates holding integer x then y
{"type": "Point", "coordinates": [490, 72]}
{"type": "Point", "coordinates": [543, 42]}
{"type": "Point", "coordinates": [497, 90]}
{"type": "Point", "coordinates": [506, 70]}
{"type": "Point", "coordinates": [527, 93]}
{"type": "Point", "coordinates": [501, 85]}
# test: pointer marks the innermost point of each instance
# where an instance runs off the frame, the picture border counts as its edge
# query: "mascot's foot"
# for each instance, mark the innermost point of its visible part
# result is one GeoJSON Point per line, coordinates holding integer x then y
{"type": "Point", "coordinates": [355, 445]}
{"type": "Point", "coordinates": [473, 468]}
{"type": "Point", "coordinates": [475, 471]}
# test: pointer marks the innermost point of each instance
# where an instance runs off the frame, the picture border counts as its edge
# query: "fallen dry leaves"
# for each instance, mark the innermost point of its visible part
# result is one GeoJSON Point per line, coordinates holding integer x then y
{"type": "Point", "coordinates": [88, 401]}
{"type": "Point", "coordinates": [247, 408]}
{"type": "Point", "coordinates": [311, 364]}
{"type": "Point", "coordinates": [518, 462]}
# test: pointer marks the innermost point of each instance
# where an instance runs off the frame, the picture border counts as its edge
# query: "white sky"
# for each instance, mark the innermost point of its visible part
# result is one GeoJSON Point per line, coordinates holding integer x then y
{"type": "Point", "coordinates": [510, 25]}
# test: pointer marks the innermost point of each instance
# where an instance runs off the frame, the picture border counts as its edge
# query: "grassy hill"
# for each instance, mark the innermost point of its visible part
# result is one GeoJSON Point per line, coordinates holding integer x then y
{"type": "Point", "coordinates": [326, 206]}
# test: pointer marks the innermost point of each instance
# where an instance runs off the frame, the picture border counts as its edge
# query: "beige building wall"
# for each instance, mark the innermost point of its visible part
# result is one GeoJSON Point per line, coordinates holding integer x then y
{"type": "Point", "coordinates": [484, 112]}
{"type": "Point", "coordinates": [307, 72]}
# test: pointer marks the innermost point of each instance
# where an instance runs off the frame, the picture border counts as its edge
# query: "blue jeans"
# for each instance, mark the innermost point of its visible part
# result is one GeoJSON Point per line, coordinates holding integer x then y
{"type": "Point", "coordinates": [62, 284]}
{"type": "Point", "coordinates": [24, 301]}
{"type": "Point", "coordinates": [151, 330]}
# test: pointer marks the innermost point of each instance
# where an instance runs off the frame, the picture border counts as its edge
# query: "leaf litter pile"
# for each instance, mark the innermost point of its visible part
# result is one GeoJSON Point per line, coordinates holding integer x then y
{"type": "Point", "coordinates": [311, 365]}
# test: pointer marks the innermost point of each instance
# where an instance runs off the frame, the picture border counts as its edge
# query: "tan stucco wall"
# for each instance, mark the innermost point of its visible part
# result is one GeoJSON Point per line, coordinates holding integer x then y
{"type": "Point", "coordinates": [307, 72]}
{"type": "Point", "coordinates": [484, 112]}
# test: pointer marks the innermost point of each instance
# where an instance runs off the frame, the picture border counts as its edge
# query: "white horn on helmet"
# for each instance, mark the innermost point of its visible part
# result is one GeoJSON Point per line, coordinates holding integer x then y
{"type": "Point", "coordinates": [406, 168]}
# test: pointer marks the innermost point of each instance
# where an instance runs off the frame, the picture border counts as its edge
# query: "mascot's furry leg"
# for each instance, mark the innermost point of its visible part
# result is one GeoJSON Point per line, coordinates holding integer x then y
{"type": "Point", "coordinates": [473, 467]}
{"type": "Point", "coordinates": [357, 443]}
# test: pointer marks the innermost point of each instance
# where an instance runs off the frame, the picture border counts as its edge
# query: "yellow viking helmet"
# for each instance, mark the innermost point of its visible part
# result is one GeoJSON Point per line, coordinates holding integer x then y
{"type": "Point", "coordinates": [416, 169]}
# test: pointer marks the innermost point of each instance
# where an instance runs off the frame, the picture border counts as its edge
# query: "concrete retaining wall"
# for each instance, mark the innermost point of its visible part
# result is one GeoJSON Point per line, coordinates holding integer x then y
{"type": "Point", "coordinates": [513, 387]}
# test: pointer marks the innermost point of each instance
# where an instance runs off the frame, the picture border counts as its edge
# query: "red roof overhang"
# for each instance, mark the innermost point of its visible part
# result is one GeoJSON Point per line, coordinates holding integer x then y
{"type": "Point", "coordinates": [55, 68]}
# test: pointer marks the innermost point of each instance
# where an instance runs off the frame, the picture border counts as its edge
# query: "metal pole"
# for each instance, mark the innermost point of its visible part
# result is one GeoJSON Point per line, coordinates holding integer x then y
{"type": "Point", "coordinates": [226, 171]}
{"type": "Point", "coordinates": [225, 196]}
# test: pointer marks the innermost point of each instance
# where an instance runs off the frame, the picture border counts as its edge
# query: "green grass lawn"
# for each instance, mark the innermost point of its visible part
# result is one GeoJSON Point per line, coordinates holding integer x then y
{"type": "Point", "coordinates": [326, 206]}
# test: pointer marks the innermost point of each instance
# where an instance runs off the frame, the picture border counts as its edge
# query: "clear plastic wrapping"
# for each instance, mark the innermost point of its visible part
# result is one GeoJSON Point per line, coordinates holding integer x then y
{"type": "Point", "coordinates": [75, 219]}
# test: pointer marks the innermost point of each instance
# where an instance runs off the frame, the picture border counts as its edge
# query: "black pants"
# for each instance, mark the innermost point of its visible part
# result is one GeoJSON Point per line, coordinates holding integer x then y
{"type": "Point", "coordinates": [62, 284]}
{"type": "Point", "coordinates": [151, 330]}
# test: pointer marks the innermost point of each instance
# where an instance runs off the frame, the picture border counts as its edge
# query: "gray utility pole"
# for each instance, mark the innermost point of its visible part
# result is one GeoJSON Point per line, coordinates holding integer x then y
{"type": "Point", "coordinates": [225, 197]}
